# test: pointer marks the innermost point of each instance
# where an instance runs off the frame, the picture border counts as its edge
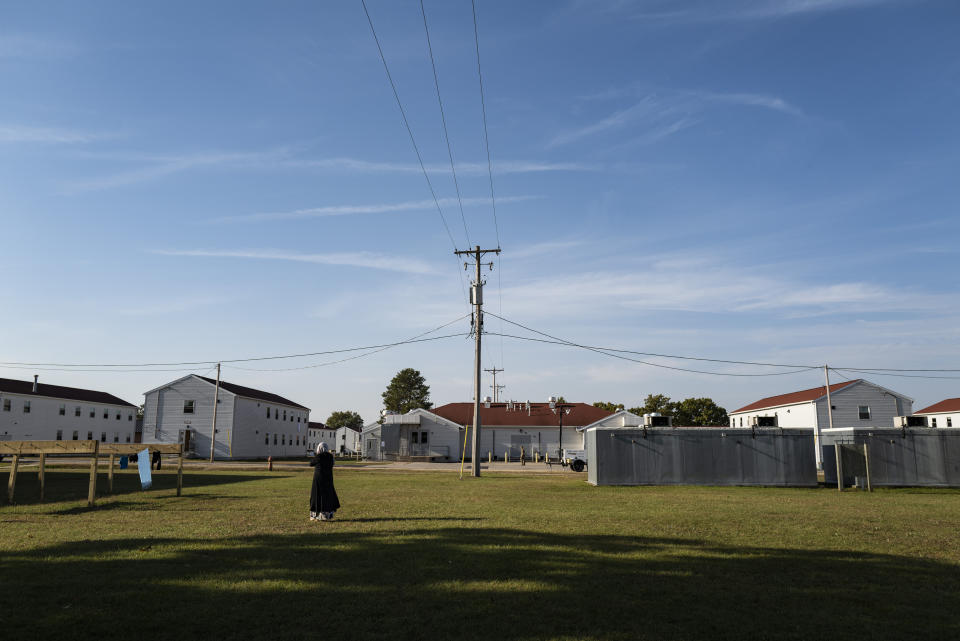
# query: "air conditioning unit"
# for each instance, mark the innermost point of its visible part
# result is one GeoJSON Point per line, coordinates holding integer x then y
{"type": "Point", "coordinates": [909, 421]}
{"type": "Point", "coordinates": [763, 421]}
{"type": "Point", "coordinates": [657, 420]}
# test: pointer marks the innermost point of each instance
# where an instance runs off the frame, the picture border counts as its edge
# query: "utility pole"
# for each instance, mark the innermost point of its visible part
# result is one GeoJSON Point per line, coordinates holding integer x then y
{"type": "Point", "coordinates": [496, 388]}
{"type": "Point", "coordinates": [476, 299]}
{"type": "Point", "coordinates": [560, 408]}
{"type": "Point", "coordinates": [826, 375]}
{"type": "Point", "coordinates": [216, 401]}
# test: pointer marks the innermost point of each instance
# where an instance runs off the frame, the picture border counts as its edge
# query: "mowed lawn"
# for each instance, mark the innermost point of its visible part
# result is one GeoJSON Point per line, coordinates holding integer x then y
{"type": "Point", "coordinates": [427, 556]}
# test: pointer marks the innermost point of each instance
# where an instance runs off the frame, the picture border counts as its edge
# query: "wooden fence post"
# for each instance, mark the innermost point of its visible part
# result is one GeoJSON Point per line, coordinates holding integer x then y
{"type": "Point", "coordinates": [180, 471]}
{"type": "Point", "coordinates": [866, 461]}
{"type": "Point", "coordinates": [110, 475]}
{"type": "Point", "coordinates": [836, 451]}
{"type": "Point", "coordinates": [12, 483]}
{"type": "Point", "coordinates": [42, 475]}
{"type": "Point", "coordinates": [92, 493]}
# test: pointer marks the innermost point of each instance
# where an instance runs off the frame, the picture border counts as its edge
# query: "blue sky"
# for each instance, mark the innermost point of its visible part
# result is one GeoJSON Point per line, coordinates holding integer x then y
{"type": "Point", "coordinates": [751, 180]}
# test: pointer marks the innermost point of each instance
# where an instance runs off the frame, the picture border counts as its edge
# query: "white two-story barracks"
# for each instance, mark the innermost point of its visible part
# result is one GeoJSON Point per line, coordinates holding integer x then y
{"type": "Point", "coordinates": [251, 423]}
{"type": "Point", "coordinates": [856, 403]}
{"type": "Point", "coordinates": [34, 411]}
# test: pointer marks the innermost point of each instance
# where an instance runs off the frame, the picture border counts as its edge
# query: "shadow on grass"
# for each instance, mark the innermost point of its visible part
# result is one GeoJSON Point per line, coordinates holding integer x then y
{"type": "Point", "coordinates": [66, 486]}
{"type": "Point", "coordinates": [469, 583]}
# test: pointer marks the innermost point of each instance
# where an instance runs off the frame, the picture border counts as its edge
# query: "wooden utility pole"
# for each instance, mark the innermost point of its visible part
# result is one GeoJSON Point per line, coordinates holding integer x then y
{"type": "Point", "coordinates": [216, 401]}
{"type": "Point", "coordinates": [496, 388]}
{"type": "Point", "coordinates": [476, 299]}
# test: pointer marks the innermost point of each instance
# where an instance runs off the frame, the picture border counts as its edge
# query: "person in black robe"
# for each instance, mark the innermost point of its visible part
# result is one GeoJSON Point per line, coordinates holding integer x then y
{"type": "Point", "coordinates": [323, 496]}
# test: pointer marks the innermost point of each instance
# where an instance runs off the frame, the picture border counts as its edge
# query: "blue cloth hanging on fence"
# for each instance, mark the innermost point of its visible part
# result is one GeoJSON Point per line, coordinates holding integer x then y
{"type": "Point", "coordinates": [123, 462]}
{"type": "Point", "coordinates": [143, 464]}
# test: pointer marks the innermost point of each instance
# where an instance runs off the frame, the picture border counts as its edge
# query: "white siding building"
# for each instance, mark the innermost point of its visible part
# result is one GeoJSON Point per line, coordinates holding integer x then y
{"type": "Point", "coordinates": [856, 403]}
{"type": "Point", "coordinates": [251, 423]}
{"type": "Point", "coordinates": [41, 412]}
{"type": "Point", "coordinates": [946, 413]}
{"type": "Point", "coordinates": [348, 440]}
{"type": "Point", "coordinates": [506, 429]}
{"type": "Point", "coordinates": [319, 433]}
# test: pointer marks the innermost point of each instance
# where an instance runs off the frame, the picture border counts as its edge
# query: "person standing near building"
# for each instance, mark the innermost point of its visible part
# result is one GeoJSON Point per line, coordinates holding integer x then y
{"type": "Point", "coordinates": [323, 496]}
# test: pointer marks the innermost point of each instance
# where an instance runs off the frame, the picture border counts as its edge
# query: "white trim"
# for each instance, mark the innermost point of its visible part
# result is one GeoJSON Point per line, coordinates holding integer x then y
{"type": "Point", "coordinates": [596, 424]}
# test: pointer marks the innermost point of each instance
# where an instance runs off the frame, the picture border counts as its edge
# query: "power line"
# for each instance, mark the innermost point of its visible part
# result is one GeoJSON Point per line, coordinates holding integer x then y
{"type": "Point", "coordinates": [483, 111]}
{"type": "Point", "coordinates": [862, 370]}
{"type": "Point", "coordinates": [600, 350]}
{"type": "Point", "coordinates": [888, 373]}
{"type": "Point", "coordinates": [241, 360]}
{"type": "Point", "coordinates": [486, 142]}
{"type": "Point", "coordinates": [370, 353]}
{"type": "Point", "coordinates": [653, 354]}
{"type": "Point", "coordinates": [443, 120]}
{"type": "Point", "coordinates": [406, 124]}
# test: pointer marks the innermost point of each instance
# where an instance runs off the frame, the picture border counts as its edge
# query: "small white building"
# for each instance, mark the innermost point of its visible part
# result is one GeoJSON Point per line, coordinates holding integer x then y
{"type": "Point", "coordinates": [319, 433]}
{"type": "Point", "coordinates": [251, 423]}
{"type": "Point", "coordinates": [348, 440]}
{"type": "Point", "coordinates": [506, 429]}
{"type": "Point", "coordinates": [41, 412]}
{"type": "Point", "coordinates": [856, 403]}
{"type": "Point", "coordinates": [946, 413]}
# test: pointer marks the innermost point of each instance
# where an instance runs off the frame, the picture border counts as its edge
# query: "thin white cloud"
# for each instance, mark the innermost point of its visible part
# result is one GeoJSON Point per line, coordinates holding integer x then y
{"type": "Point", "coordinates": [32, 47]}
{"type": "Point", "coordinates": [45, 135]}
{"type": "Point", "coordinates": [752, 100]}
{"type": "Point", "coordinates": [352, 259]}
{"type": "Point", "coordinates": [465, 168]}
{"type": "Point", "coordinates": [648, 108]}
{"type": "Point", "coordinates": [352, 210]}
{"type": "Point", "coordinates": [669, 11]}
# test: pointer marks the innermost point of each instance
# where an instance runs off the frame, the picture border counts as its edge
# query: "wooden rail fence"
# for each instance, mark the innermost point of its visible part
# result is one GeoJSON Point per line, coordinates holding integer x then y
{"type": "Point", "coordinates": [93, 449]}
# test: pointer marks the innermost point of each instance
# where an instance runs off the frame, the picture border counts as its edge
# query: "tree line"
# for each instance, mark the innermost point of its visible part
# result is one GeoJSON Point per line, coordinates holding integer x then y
{"type": "Point", "coordinates": [696, 412]}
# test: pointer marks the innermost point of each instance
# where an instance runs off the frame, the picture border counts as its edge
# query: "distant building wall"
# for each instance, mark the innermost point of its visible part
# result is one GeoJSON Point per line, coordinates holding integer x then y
{"type": "Point", "coordinates": [43, 421]}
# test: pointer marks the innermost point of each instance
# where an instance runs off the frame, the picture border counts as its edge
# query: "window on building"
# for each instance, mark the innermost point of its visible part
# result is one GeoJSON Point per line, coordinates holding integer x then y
{"type": "Point", "coordinates": [93, 412]}
{"type": "Point", "coordinates": [76, 435]}
{"type": "Point", "coordinates": [106, 413]}
{"type": "Point", "coordinates": [188, 407]}
{"type": "Point", "coordinates": [59, 435]}
{"type": "Point", "coordinates": [6, 405]}
{"type": "Point", "coordinates": [116, 437]}
{"type": "Point", "coordinates": [949, 421]}
{"type": "Point", "coordinates": [864, 412]}
{"type": "Point", "coordinates": [414, 437]}
{"type": "Point", "coordinates": [741, 421]}
{"type": "Point", "coordinates": [268, 412]}
{"type": "Point", "coordinates": [733, 422]}
{"type": "Point", "coordinates": [274, 438]}
{"type": "Point", "coordinates": [298, 419]}
{"type": "Point", "coordinates": [283, 439]}
{"type": "Point", "coordinates": [118, 416]}
{"type": "Point", "coordinates": [129, 417]}
{"type": "Point", "coordinates": [423, 437]}
{"type": "Point", "coordinates": [26, 407]}
{"type": "Point", "coordinates": [103, 437]}
{"type": "Point", "coordinates": [89, 436]}
{"type": "Point", "coordinates": [128, 437]}
{"type": "Point", "coordinates": [63, 410]}
{"type": "Point", "coordinates": [933, 422]}
{"type": "Point", "coordinates": [76, 411]}
{"type": "Point", "coordinates": [266, 438]}
{"type": "Point", "coordinates": [284, 414]}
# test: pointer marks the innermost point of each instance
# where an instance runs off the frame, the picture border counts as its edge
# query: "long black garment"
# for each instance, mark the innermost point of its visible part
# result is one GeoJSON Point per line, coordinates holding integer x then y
{"type": "Point", "coordinates": [323, 496]}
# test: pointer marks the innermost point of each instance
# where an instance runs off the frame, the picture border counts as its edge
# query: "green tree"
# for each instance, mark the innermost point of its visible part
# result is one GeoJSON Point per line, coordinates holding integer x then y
{"type": "Point", "coordinates": [655, 403]}
{"type": "Point", "coordinates": [345, 418]}
{"type": "Point", "coordinates": [407, 391]}
{"type": "Point", "coordinates": [701, 412]}
{"type": "Point", "coordinates": [607, 405]}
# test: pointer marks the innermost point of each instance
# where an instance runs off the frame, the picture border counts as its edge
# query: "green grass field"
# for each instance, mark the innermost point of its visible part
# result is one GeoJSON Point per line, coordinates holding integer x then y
{"type": "Point", "coordinates": [426, 556]}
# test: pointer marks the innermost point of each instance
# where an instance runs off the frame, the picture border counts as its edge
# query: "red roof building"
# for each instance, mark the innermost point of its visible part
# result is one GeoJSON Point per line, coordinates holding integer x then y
{"type": "Point", "coordinates": [946, 413]}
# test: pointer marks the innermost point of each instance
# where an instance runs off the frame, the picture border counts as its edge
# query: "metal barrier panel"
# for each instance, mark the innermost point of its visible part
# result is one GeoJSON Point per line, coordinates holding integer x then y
{"type": "Point", "coordinates": [920, 457]}
{"type": "Point", "coordinates": [709, 456]}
